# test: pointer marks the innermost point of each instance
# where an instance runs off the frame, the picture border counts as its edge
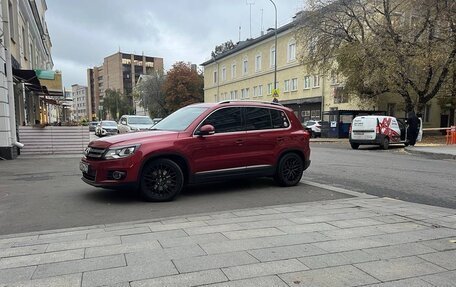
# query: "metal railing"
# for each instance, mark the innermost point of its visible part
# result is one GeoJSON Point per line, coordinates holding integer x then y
{"type": "Point", "coordinates": [450, 133]}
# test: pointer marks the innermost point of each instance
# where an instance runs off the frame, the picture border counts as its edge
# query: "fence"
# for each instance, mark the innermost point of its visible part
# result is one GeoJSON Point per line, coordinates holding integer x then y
{"type": "Point", "coordinates": [450, 133]}
{"type": "Point", "coordinates": [53, 140]}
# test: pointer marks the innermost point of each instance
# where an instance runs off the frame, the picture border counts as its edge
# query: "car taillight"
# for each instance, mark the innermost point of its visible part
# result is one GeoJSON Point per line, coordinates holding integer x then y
{"type": "Point", "coordinates": [377, 129]}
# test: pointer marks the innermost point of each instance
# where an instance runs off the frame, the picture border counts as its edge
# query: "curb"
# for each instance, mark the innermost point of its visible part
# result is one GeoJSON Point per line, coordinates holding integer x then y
{"type": "Point", "coordinates": [431, 154]}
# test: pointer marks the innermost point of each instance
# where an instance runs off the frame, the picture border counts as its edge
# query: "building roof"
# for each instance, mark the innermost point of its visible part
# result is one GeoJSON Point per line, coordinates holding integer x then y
{"type": "Point", "coordinates": [249, 42]}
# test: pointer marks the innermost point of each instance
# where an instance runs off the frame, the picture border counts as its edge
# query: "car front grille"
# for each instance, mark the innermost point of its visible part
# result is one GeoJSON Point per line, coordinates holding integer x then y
{"type": "Point", "coordinates": [94, 152]}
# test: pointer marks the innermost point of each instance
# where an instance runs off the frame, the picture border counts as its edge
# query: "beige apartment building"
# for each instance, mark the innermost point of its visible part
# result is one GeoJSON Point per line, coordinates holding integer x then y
{"type": "Point", "coordinates": [119, 72]}
{"type": "Point", "coordinates": [246, 72]}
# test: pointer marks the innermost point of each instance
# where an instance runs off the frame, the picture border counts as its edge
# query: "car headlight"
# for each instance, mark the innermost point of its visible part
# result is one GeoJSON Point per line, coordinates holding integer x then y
{"type": "Point", "coordinates": [120, 152]}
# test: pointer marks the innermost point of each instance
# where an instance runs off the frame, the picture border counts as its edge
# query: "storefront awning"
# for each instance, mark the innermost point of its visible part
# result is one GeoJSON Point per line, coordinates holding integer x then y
{"type": "Point", "coordinates": [41, 82]}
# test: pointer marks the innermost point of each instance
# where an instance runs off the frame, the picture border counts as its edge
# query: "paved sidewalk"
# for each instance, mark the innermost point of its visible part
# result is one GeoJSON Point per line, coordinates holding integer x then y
{"type": "Point", "coordinates": [361, 241]}
{"type": "Point", "coordinates": [434, 151]}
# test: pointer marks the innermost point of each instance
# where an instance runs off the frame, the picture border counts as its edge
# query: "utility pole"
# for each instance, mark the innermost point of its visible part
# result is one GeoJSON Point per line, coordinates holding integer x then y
{"type": "Point", "coordinates": [275, 46]}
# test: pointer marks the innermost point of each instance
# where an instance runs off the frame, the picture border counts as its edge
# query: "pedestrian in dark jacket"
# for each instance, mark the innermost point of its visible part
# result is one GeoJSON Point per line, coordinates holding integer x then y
{"type": "Point", "coordinates": [413, 128]}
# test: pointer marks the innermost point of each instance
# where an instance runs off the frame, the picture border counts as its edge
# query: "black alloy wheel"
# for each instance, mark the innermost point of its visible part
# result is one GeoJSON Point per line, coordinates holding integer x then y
{"type": "Point", "coordinates": [354, 145]}
{"type": "Point", "coordinates": [290, 169]}
{"type": "Point", "coordinates": [161, 180]}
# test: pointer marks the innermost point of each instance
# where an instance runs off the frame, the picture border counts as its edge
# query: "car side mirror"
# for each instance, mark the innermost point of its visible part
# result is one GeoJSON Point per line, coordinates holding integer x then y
{"type": "Point", "coordinates": [123, 122]}
{"type": "Point", "coordinates": [206, 130]}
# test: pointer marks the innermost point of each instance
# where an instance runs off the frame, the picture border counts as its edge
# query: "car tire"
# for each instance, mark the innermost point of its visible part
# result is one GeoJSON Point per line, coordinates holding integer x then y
{"type": "Point", "coordinates": [385, 143]}
{"type": "Point", "coordinates": [161, 180]}
{"type": "Point", "coordinates": [290, 169]}
{"type": "Point", "coordinates": [354, 145]}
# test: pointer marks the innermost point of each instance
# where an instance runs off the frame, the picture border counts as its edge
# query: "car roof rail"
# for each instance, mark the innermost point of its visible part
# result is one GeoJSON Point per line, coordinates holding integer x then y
{"type": "Point", "coordinates": [250, 101]}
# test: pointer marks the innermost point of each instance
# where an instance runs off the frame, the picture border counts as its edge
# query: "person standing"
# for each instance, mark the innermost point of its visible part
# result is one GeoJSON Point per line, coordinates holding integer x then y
{"type": "Point", "coordinates": [412, 128]}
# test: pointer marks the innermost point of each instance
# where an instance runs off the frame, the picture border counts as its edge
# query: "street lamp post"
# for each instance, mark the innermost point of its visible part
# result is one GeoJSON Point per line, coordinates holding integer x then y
{"type": "Point", "coordinates": [275, 47]}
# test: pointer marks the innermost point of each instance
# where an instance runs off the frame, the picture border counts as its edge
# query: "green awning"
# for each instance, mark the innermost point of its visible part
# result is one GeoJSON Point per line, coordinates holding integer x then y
{"type": "Point", "coordinates": [45, 74]}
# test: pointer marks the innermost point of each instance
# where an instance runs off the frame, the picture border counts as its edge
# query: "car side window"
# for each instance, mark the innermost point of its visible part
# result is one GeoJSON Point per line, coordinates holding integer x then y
{"type": "Point", "coordinates": [279, 119]}
{"type": "Point", "coordinates": [257, 119]}
{"type": "Point", "coordinates": [225, 120]}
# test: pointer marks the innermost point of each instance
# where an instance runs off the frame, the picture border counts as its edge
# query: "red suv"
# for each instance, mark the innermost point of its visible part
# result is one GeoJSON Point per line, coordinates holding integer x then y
{"type": "Point", "coordinates": [202, 143]}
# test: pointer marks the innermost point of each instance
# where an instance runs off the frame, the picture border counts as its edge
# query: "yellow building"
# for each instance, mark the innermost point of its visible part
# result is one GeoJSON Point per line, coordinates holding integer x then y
{"type": "Point", "coordinates": [246, 72]}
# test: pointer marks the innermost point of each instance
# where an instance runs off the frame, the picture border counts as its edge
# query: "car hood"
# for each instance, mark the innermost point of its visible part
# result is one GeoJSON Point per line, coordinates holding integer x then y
{"type": "Point", "coordinates": [141, 126]}
{"type": "Point", "coordinates": [133, 138]}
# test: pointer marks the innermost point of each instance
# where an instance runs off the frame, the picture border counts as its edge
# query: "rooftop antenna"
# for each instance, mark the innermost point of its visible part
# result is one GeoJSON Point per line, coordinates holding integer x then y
{"type": "Point", "coordinates": [261, 26]}
{"type": "Point", "coordinates": [250, 4]}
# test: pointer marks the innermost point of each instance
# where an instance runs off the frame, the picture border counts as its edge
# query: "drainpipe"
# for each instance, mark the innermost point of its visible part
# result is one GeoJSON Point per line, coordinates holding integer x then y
{"type": "Point", "coordinates": [9, 78]}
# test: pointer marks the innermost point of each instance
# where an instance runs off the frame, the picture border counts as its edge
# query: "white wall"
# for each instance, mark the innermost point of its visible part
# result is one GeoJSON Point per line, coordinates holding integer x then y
{"type": "Point", "coordinates": [5, 128]}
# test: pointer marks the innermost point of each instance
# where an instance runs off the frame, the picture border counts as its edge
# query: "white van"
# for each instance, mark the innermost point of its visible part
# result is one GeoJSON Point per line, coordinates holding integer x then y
{"type": "Point", "coordinates": [380, 130]}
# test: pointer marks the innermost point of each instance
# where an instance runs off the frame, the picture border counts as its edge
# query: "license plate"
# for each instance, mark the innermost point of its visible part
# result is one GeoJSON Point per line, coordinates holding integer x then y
{"type": "Point", "coordinates": [359, 133]}
{"type": "Point", "coordinates": [84, 167]}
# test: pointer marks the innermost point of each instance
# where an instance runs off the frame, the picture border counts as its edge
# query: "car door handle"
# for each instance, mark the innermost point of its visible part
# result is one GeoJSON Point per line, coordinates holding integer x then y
{"type": "Point", "coordinates": [239, 141]}
{"type": "Point", "coordinates": [280, 139]}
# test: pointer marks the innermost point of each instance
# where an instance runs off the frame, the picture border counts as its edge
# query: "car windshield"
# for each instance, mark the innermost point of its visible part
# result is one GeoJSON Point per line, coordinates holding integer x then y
{"type": "Point", "coordinates": [109, 124]}
{"type": "Point", "coordinates": [180, 119]}
{"type": "Point", "coordinates": [140, 121]}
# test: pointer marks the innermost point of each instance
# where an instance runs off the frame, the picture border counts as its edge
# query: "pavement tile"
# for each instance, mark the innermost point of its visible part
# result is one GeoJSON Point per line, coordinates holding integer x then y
{"type": "Point", "coordinates": [83, 244]}
{"type": "Point", "coordinates": [264, 269]}
{"type": "Point", "coordinates": [333, 276]}
{"type": "Point", "coordinates": [417, 235]}
{"type": "Point", "coordinates": [174, 220]}
{"type": "Point", "coordinates": [400, 268]}
{"type": "Point", "coordinates": [126, 225]}
{"type": "Point", "coordinates": [285, 252]}
{"type": "Point", "coordinates": [72, 280]}
{"type": "Point", "coordinates": [213, 229]}
{"type": "Point", "coordinates": [266, 223]}
{"type": "Point", "coordinates": [264, 211]}
{"type": "Point", "coordinates": [118, 232]}
{"type": "Point", "coordinates": [151, 257]}
{"type": "Point", "coordinates": [267, 281]}
{"type": "Point", "coordinates": [77, 266]}
{"type": "Point", "coordinates": [401, 227]}
{"type": "Point", "coordinates": [206, 262]}
{"type": "Point", "coordinates": [59, 234]}
{"type": "Point", "coordinates": [245, 213]}
{"type": "Point", "coordinates": [263, 242]}
{"type": "Point", "coordinates": [253, 233]}
{"type": "Point", "coordinates": [184, 280]}
{"type": "Point", "coordinates": [122, 248]}
{"type": "Point", "coordinates": [12, 239]}
{"type": "Point", "coordinates": [355, 222]}
{"type": "Point", "coordinates": [199, 218]}
{"type": "Point", "coordinates": [354, 232]}
{"type": "Point", "coordinates": [224, 215]}
{"type": "Point", "coordinates": [127, 274]}
{"type": "Point", "coordinates": [173, 226]}
{"type": "Point", "coordinates": [400, 250]}
{"type": "Point", "coordinates": [442, 244]}
{"type": "Point", "coordinates": [193, 239]}
{"type": "Point", "coordinates": [153, 236]}
{"type": "Point", "coordinates": [69, 238]}
{"type": "Point", "coordinates": [445, 279]}
{"type": "Point", "coordinates": [36, 259]}
{"type": "Point", "coordinates": [332, 217]}
{"type": "Point", "coordinates": [16, 274]}
{"type": "Point", "coordinates": [302, 228]}
{"type": "Point", "coordinates": [350, 244]}
{"type": "Point", "coordinates": [26, 250]}
{"type": "Point", "coordinates": [337, 259]}
{"type": "Point", "coordinates": [411, 282]}
{"type": "Point", "coordinates": [238, 219]}
{"type": "Point", "coordinates": [392, 219]}
{"type": "Point", "coordinates": [445, 259]}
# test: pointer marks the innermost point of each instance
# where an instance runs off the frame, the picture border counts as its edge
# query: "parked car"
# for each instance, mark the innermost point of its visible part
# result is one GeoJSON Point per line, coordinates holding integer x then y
{"type": "Point", "coordinates": [202, 143]}
{"type": "Point", "coordinates": [106, 128]}
{"type": "Point", "coordinates": [92, 126]}
{"type": "Point", "coordinates": [134, 123]}
{"type": "Point", "coordinates": [314, 127]}
{"type": "Point", "coordinates": [379, 130]}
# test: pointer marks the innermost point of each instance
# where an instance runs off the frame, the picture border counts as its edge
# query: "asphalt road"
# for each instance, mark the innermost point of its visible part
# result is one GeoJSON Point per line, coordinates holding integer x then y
{"type": "Point", "coordinates": [390, 173]}
{"type": "Point", "coordinates": [40, 194]}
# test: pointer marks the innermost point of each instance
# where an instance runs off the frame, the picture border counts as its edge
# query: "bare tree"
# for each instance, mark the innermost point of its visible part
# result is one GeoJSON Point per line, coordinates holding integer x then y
{"type": "Point", "coordinates": [404, 47]}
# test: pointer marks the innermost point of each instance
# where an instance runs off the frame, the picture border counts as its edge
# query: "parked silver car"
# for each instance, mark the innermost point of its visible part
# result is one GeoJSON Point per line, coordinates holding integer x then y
{"type": "Point", "coordinates": [129, 123]}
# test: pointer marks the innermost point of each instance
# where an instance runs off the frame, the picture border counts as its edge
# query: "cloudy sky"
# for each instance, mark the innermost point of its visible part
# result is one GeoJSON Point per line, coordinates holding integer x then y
{"type": "Point", "coordinates": [83, 32]}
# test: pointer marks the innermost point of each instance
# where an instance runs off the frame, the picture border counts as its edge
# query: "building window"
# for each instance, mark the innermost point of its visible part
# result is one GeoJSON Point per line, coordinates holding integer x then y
{"type": "Point", "coordinates": [294, 84]}
{"type": "Point", "coordinates": [245, 66]}
{"type": "Point", "coordinates": [233, 71]}
{"type": "Point", "coordinates": [307, 82]}
{"type": "Point", "coordinates": [427, 113]}
{"type": "Point", "coordinates": [286, 84]}
{"type": "Point", "coordinates": [272, 57]}
{"type": "Point", "coordinates": [260, 90]}
{"type": "Point", "coordinates": [269, 89]}
{"type": "Point", "coordinates": [11, 20]}
{"type": "Point", "coordinates": [339, 95]}
{"type": "Point", "coordinates": [223, 73]}
{"type": "Point", "coordinates": [235, 94]}
{"type": "Point", "coordinates": [232, 95]}
{"type": "Point", "coordinates": [215, 77]}
{"type": "Point", "coordinates": [242, 93]}
{"type": "Point", "coordinates": [291, 52]}
{"type": "Point", "coordinates": [255, 91]}
{"type": "Point", "coordinates": [334, 78]}
{"type": "Point", "coordinates": [247, 93]}
{"type": "Point", "coordinates": [316, 81]}
{"type": "Point", "coordinates": [257, 63]}
{"type": "Point", "coordinates": [215, 98]}
{"type": "Point", "coordinates": [391, 109]}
